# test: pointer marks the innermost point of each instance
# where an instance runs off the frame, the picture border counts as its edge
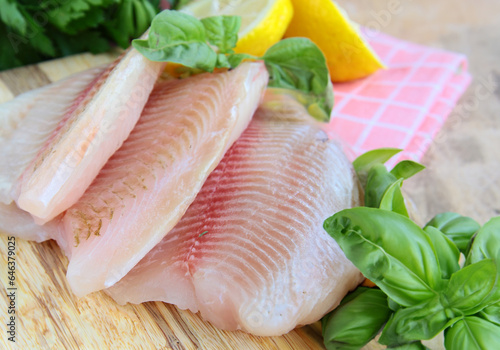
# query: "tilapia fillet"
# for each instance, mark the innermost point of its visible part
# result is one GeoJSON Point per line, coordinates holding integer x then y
{"type": "Point", "coordinates": [28, 121]}
{"type": "Point", "coordinates": [90, 130]}
{"type": "Point", "coordinates": [18, 223]}
{"type": "Point", "coordinates": [251, 253]}
{"type": "Point", "coordinates": [148, 184]}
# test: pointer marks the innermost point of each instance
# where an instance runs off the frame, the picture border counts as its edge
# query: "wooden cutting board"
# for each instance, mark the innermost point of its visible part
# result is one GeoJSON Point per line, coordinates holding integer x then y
{"type": "Point", "coordinates": [49, 316]}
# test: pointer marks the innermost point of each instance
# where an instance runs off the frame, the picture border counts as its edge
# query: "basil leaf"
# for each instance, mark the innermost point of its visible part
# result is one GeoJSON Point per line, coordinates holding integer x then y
{"type": "Point", "coordinates": [470, 288]}
{"type": "Point", "coordinates": [222, 31]}
{"type": "Point", "coordinates": [383, 187]}
{"type": "Point", "coordinates": [378, 181]}
{"type": "Point", "coordinates": [447, 252]}
{"type": "Point", "coordinates": [406, 169]}
{"type": "Point", "coordinates": [491, 313]}
{"type": "Point", "coordinates": [236, 58]}
{"type": "Point", "coordinates": [420, 322]}
{"type": "Point", "coordinates": [179, 38]}
{"type": "Point", "coordinates": [486, 243]}
{"type": "Point", "coordinates": [298, 64]}
{"type": "Point", "coordinates": [393, 199]}
{"type": "Point", "coordinates": [458, 228]}
{"type": "Point", "coordinates": [222, 61]}
{"type": "Point", "coordinates": [390, 250]}
{"type": "Point", "coordinates": [357, 319]}
{"type": "Point", "coordinates": [367, 160]}
{"type": "Point", "coordinates": [472, 333]}
{"type": "Point", "coordinates": [393, 305]}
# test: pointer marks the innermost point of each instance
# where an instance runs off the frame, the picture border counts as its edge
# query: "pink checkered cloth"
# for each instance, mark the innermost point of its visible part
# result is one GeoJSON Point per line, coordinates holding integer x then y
{"type": "Point", "coordinates": [403, 106]}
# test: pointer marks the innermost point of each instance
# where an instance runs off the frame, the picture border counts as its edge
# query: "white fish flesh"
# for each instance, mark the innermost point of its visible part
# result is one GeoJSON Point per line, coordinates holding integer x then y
{"type": "Point", "coordinates": [251, 252]}
{"type": "Point", "coordinates": [148, 184]}
{"type": "Point", "coordinates": [92, 127]}
{"type": "Point", "coordinates": [27, 122]}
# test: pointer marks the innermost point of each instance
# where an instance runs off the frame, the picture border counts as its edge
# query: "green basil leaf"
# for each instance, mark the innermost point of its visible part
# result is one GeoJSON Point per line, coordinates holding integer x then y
{"type": "Point", "coordinates": [357, 319]}
{"type": "Point", "coordinates": [406, 169]}
{"type": "Point", "coordinates": [180, 38]}
{"type": "Point", "coordinates": [222, 31]}
{"type": "Point", "coordinates": [367, 160]}
{"type": "Point", "coordinates": [393, 305]}
{"type": "Point", "coordinates": [383, 188]}
{"type": "Point", "coordinates": [236, 58]}
{"type": "Point", "coordinates": [470, 288]}
{"type": "Point", "coordinates": [390, 250]}
{"type": "Point", "coordinates": [472, 333]}
{"type": "Point", "coordinates": [420, 322]}
{"type": "Point", "coordinates": [298, 64]}
{"type": "Point", "coordinates": [458, 228]}
{"type": "Point", "coordinates": [447, 252]}
{"type": "Point", "coordinates": [486, 243]}
{"type": "Point", "coordinates": [222, 61]}
{"type": "Point", "coordinates": [491, 313]}
{"type": "Point", "coordinates": [393, 199]}
{"type": "Point", "coordinates": [378, 181]}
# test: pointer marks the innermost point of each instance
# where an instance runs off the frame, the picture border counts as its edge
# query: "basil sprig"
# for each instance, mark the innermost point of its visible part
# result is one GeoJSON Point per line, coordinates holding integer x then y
{"type": "Point", "coordinates": [295, 65]}
{"type": "Point", "coordinates": [417, 268]}
{"type": "Point", "coordinates": [342, 331]}
{"type": "Point", "coordinates": [374, 241]}
{"type": "Point", "coordinates": [458, 228]}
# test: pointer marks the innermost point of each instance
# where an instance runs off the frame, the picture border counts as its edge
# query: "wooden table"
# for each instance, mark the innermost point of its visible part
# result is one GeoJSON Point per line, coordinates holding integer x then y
{"type": "Point", "coordinates": [462, 175]}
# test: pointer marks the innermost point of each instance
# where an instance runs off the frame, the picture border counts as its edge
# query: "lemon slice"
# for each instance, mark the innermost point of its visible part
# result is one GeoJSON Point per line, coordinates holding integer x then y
{"type": "Point", "coordinates": [347, 54]}
{"type": "Point", "coordinates": [263, 22]}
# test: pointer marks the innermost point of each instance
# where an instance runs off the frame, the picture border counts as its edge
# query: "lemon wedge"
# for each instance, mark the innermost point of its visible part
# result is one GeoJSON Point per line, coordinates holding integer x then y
{"type": "Point", "coordinates": [347, 54]}
{"type": "Point", "coordinates": [263, 22]}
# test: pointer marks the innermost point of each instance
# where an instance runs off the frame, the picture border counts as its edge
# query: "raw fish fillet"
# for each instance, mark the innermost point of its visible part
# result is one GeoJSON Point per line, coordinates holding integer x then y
{"type": "Point", "coordinates": [148, 184]}
{"type": "Point", "coordinates": [16, 222]}
{"type": "Point", "coordinates": [27, 122]}
{"type": "Point", "coordinates": [251, 253]}
{"type": "Point", "coordinates": [91, 130]}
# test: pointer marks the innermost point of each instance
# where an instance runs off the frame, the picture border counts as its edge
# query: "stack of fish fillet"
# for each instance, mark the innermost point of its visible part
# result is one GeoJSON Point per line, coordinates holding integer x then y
{"type": "Point", "coordinates": [208, 192]}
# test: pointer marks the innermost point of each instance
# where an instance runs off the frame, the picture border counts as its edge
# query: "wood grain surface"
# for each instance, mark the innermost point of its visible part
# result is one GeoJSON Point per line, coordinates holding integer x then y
{"type": "Point", "coordinates": [462, 175]}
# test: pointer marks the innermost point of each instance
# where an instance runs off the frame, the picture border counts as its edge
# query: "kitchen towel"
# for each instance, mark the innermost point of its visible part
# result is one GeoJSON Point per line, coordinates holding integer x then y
{"type": "Point", "coordinates": [403, 106]}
